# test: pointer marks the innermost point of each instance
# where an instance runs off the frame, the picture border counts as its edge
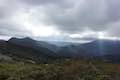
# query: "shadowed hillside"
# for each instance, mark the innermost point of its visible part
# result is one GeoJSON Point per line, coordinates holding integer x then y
{"type": "Point", "coordinates": [66, 70]}
{"type": "Point", "coordinates": [107, 50]}
{"type": "Point", "coordinates": [28, 59]}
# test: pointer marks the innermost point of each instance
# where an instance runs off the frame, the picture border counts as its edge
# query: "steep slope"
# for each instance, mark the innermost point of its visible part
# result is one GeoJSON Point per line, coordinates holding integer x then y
{"type": "Point", "coordinates": [49, 46]}
{"type": "Point", "coordinates": [106, 49]}
{"type": "Point", "coordinates": [102, 47]}
{"type": "Point", "coordinates": [72, 51]}
{"type": "Point", "coordinates": [29, 48]}
{"type": "Point", "coordinates": [33, 44]}
{"type": "Point", "coordinates": [25, 53]}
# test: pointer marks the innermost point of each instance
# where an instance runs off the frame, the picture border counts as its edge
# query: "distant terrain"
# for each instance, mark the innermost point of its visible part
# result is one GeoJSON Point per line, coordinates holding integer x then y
{"type": "Point", "coordinates": [29, 59]}
{"type": "Point", "coordinates": [41, 51]}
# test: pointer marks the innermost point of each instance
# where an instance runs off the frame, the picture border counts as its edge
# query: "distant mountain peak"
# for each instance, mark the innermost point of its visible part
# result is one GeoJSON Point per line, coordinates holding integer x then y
{"type": "Point", "coordinates": [12, 38]}
{"type": "Point", "coordinates": [21, 38]}
{"type": "Point", "coordinates": [105, 41]}
{"type": "Point", "coordinates": [27, 38]}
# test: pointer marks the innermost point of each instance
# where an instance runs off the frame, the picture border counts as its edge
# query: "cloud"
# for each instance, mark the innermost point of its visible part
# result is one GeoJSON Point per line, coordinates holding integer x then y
{"type": "Point", "coordinates": [88, 14]}
{"type": "Point", "coordinates": [40, 2]}
{"type": "Point", "coordinates": [66, 16]}
{"type": "Point", "coordinates": [114, 28]}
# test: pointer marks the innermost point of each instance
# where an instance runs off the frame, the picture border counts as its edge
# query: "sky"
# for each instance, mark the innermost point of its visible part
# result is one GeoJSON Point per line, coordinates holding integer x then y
{"type": "Point", "coordinates": [62, 20]}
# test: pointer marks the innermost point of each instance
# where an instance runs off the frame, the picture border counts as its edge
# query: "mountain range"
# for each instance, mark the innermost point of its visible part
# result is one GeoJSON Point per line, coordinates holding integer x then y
{"type": "Point", "coordinates": [30, 50]}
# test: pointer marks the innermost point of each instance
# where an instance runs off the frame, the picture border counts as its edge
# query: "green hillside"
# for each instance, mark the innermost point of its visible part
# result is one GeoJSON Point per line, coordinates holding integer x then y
{"type": "Point", "coordinates": [66, 70]}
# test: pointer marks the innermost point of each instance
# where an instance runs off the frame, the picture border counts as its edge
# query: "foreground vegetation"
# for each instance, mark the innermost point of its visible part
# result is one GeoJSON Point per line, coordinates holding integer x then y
{"type": "Point", "coordinates": [66, 70]}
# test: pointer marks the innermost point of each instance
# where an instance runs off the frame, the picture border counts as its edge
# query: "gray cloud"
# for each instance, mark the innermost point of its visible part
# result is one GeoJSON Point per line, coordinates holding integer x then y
{"type": "Point", "coordinates": [39, 2]}
{"type": "Point", "coordinates": [114, 29]}
{"type": "Point", "coordinates": [10, 29]}
{"type": "Point", "coordinates": [93, 14]}
{"type": "Point", "coordinates": [68, 16]}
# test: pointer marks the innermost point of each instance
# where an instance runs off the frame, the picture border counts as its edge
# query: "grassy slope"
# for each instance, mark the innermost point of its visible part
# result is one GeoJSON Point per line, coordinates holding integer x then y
{"type": "Point", "coordinates": [68, 70]}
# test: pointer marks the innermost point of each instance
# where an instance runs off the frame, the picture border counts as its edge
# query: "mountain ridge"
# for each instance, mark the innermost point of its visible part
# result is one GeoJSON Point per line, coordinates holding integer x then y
{"type": "Point", "coordinates": [103, 49]}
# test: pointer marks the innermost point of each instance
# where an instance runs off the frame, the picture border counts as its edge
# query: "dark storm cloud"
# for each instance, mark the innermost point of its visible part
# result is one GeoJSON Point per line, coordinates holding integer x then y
{"type": "Point", "coordinates": [68, 16]}
{"type": "Point", "coordinates": [94, 14]}
{"type": "Point", "coordinates": [40, 2]}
